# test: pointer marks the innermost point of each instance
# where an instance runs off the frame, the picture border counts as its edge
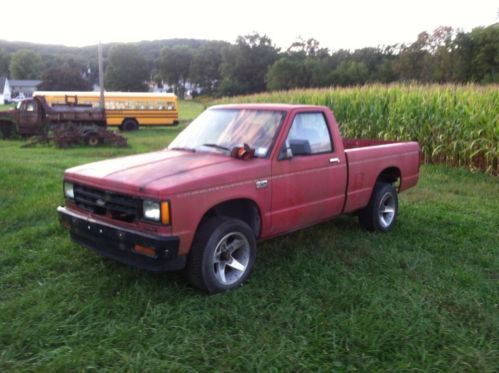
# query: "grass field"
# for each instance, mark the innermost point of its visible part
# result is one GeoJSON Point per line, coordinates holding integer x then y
{"type": "Point", "coordinates": [333, 297]}
{"type": "Point", "coordinates": [5, 107]}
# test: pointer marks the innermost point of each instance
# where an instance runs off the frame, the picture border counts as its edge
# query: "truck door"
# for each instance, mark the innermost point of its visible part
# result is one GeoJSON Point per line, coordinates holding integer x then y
{"type": "Point", "coordinates": [30, 117]}
{"type": "Point", "coordinates": [309, 185]}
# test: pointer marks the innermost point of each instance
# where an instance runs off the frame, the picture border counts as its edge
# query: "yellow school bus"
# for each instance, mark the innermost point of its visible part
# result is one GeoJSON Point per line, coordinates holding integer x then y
{"type": "Point", "coordinates": [126, 110]}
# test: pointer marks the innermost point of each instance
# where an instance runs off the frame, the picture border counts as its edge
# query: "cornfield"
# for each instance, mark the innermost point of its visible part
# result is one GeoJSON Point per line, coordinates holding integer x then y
{"type": "Point", "coordinates": [455, 125]}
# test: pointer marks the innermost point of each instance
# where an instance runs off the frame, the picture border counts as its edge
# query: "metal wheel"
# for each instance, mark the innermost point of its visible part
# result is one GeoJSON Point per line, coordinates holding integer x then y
{"type": "Point", "coordinates": [386, 210]}
{"type": "Point", "coordinates": [93, 140]}
{"type": "Point", "coordinates": [381, 212]}
{"type": "Point", "coordinates": [222, 254]}
{"type": "Point", "coordinates": [231, 258]}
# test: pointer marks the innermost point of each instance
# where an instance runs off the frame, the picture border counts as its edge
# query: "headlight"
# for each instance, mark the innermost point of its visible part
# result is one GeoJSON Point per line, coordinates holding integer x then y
{"type": "Point", "coordinates": [151, 210]}
{"type": "Point", "coordinates": [156, 211]}
{"type": "Point", "coordinates": [69, 190]}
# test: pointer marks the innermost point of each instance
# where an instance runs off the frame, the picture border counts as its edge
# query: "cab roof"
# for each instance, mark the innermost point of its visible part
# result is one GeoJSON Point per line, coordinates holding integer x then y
{"type": "Point", "coordinates": [260, 106]}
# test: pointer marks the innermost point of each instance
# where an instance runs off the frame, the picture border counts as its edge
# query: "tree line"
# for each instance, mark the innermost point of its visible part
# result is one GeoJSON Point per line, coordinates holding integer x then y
{"type": "Point", "coordinates": [254, 64]}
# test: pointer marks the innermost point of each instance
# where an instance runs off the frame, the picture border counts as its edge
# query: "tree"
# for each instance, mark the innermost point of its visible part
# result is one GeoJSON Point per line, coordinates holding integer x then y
{"type": "Point", "coordinates": [350, 73]}
{"type": "Point", "coordinates": [310, 47]}
{"type": "Point", "coordinates": [485, 62]}
{"type": "Point", "coordinates": [463, 57]}
{"type": "Point", "coordinates": [205, 66]}
{"type": "Point", "coordinates": [413, 62]}
{"type": "Point", "coordinates": [287, 73]}
{"type": "Point", "coordinates": [173, 66]}
{"type": "Point", "coordinates": [127, 70]}
{"type": "Point", "coordinates": [69, 76]}
{"type": "Point", "coordinates": [244, 66]}
{"type": "Point", "coordinates": [4, 62]}
{"type": "Point", "coordinates": [385, 72]}
{"type": "Point", "coordinates": [25, 64]}
{"type": "Point", "coordinates": [317, 70]}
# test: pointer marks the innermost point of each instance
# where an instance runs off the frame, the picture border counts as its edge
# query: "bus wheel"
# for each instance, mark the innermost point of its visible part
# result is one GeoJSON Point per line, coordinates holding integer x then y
{"type": "Point", "coordinates": [129, 125]}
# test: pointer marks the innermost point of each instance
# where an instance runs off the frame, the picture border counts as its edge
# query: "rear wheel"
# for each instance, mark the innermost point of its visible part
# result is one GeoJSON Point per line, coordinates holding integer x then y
{"type": "Point", "coordinates": [222, 255]}
{"type": "Point", "coordinates": [381, 212]}
{"type": "Point", "coordinates": [129, 125]}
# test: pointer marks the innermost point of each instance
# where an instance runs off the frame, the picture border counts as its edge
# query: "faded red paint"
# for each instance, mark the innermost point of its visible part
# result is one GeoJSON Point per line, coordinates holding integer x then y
{"type": "Point", "coordinates": [301, 191]}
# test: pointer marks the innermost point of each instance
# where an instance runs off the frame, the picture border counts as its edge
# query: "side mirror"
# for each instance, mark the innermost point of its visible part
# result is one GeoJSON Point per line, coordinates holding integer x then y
{"type": "Point", "coordinates": [300, 147]}
{"type": "Point", "coordinates": [286, 152]}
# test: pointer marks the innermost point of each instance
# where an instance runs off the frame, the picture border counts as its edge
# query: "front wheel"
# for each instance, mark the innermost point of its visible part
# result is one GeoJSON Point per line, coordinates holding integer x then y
{"type": "Point", "coordinates": [222, 255]}
{"type": "Point", "coordinates": [92, 139]}
{"type": "Point", "coordinates": [381, 212]}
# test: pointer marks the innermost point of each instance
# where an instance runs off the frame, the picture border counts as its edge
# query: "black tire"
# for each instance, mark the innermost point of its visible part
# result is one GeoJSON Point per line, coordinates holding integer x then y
{"type": "Point", "coordinates": [129, 125]}
{"type": "Point", "coordinates": [381, 212]}
{"type": "Point", "coordinates": [205, 268]}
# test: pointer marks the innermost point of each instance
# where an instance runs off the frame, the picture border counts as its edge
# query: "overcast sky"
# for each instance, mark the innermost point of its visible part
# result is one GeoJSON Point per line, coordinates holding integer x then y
{"type": "Point", "coordinates": [346, 24]}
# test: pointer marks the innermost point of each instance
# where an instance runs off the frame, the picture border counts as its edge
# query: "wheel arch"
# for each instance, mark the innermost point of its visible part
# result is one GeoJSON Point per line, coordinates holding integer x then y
{"type": "Point", "coordinates": [130, 118]}
{"type": "Point", "coordinates": [390, 175]}
{"type": "Point", "coordinates": [244, 209]}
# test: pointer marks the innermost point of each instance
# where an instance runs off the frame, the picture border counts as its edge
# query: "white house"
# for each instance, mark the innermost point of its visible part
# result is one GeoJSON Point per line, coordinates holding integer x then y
{"type": "Point", "coordinates": [23, 88]}
{"type": "Point", "coordinates": [5, 93]}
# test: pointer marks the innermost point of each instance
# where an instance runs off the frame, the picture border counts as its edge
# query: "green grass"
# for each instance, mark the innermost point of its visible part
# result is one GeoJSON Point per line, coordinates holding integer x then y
{"type": "Point", "coordinates": [332, 297]}
{"type": "Point", "coordinates": [188, 110]}
{"type": "Point", "coordinates": [6, 107]}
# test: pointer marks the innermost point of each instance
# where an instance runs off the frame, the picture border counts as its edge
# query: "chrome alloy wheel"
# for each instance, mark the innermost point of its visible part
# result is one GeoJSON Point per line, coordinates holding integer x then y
{"type": "Point", "coordinates": [386, 211]}
{"type": "Point", "coordinates": [231, 258]}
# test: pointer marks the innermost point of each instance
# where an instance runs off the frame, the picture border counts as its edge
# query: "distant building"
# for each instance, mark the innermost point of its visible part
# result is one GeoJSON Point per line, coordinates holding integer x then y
{"type": "Point", "coordinates": [4, 90]}
{"type": "Point", "coordinates": [23, 88]}
{"type": "Point", "coordinates": [162, 87]}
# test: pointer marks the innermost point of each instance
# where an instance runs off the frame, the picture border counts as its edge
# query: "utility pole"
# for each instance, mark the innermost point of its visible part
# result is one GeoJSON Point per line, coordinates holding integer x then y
{"type": "Point", "coordinates": [101, 77]}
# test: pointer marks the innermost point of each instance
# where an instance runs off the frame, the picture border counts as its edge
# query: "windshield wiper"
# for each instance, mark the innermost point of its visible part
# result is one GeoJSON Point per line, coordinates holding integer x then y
{"type": "Point", "coordinates": [217, 146]}
{"type": "Point", "coordinates": [184, 148]}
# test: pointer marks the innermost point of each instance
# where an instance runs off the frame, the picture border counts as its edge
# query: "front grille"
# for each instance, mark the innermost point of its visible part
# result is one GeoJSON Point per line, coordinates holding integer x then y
{"type": "Point", "coordinates": [115, 205]}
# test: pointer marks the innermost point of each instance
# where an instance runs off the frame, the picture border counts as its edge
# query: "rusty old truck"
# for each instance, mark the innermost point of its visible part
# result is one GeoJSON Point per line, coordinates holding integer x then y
{"type": "Point", "coordinates": [33, 116]}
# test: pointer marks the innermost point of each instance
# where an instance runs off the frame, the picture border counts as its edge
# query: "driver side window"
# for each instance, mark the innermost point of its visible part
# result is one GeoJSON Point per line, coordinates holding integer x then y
{"type": "Point", "coordinates": [30, 106]}
{"type": "Point", "coordinates": [309, 134]}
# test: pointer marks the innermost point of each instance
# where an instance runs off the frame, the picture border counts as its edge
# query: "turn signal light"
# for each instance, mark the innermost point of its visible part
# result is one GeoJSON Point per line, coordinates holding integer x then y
{"type": "Point", "coordinates": [144, 250]}
{"type": "Point", "coordinates": [165, 212]}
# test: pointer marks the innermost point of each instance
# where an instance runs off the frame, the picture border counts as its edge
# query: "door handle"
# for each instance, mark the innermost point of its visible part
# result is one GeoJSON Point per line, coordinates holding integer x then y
{"type": "Point", "coordinates": [334, 160]}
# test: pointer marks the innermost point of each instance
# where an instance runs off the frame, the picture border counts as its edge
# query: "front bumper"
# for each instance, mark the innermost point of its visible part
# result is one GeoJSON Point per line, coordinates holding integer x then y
{"type": "Point", "coordinates": [118, 243]}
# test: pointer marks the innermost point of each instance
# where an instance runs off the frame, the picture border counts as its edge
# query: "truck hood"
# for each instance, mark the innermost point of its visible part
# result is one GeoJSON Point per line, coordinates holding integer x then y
{"type": "Point", "coordinates": [166, 172]}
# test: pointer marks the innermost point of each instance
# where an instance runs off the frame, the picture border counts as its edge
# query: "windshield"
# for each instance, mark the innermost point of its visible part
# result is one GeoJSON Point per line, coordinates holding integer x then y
{"type": "Point", "coordinates": [221, 130]}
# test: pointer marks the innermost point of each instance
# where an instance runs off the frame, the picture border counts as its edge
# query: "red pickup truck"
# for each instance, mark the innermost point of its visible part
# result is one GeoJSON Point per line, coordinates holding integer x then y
{"type": "Point", "coordinates": [236, 175]}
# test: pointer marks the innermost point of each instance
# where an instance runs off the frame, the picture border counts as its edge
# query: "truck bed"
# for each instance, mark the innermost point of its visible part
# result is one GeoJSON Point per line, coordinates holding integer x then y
{"type": "Point", "coordinates": [366, 158]}
{"type": "Point", "coordinates": [362, 143]}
